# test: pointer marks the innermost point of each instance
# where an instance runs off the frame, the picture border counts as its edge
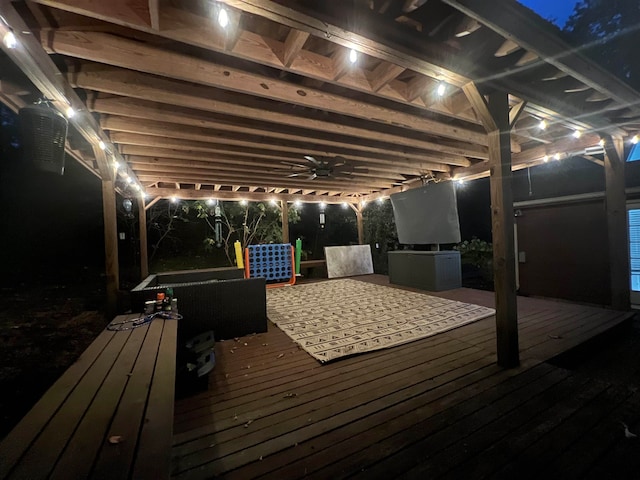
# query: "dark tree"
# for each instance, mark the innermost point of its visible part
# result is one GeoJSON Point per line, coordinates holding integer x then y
{"type": "Point", "coordinates": [608, 31]}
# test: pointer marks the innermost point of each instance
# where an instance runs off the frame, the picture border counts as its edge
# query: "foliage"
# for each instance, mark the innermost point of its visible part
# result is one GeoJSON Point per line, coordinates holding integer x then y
{"type": "Point", "coordinates": [607, 31]}
{"type": "Point", "coordinates": [250, 224]}
{"type": "Point", "coordinates": [160, 223]}
{"type": "Point", "coordinates": [475, 252]}
{"type": "Point", "coordinates": [380, 232]}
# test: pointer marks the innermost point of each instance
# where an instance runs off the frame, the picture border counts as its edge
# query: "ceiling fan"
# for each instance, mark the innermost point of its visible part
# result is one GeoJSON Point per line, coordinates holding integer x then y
{"type": "Point", "coordinates": [334, 167]}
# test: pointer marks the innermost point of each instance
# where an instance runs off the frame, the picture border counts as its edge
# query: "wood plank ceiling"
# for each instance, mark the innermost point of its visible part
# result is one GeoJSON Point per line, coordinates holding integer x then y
{"type": "Point", "coordinates": [202, 111]}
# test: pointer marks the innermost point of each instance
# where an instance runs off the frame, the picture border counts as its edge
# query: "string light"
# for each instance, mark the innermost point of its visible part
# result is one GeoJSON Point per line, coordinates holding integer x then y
{"type": "Point", "coordinates": [557, 156]}
{"type": "Point", "coordinates": [10, 41]}
{"type": "Point", "coordinates": [461, 181]}
{"type": "Point", "coordinates": [345, 204]}
{"type": "Point", "coordinates": [381, 200]}
{"type": "Point", "coordinates": [601, 142]}
{"type": "Point", "coordinates": [353, 56]}
{"type": "Point", "coordinates": [273, 202]}
{"type": "Point", "coordinates": [174, 199]}
{"type": "Point", "coordinates": [210, 201]}
{"type": "Point", "coordinates": [116, 164]}
{"type": "Point", "coordinates": [223, 18]}
{"type": "Point", "coordinates": [323, 205]}
{"type": "Point", "coordinates": [577, 133]}
{"type": "Point", "coordinates": [363, 203]}
{"type": "Point", "coordinates": [297, 204]}
{"type": "Point", "coordinates": [635, 139]}
{"type": "Point", "coordinates": [545, 159]}
{"type": "Point", "coordinates": [102, 145]}
{"type": "Point", "coordinates": [70, 112]}
{"type": "Point", "coordinates": [442, 89]}
{"type": "Point", "coordinates": [542, 125]}
{"type": "Point", "coordinates": [243, 202]}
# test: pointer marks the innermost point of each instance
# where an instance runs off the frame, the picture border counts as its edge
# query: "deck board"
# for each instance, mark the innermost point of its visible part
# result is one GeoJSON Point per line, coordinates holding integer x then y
{"type": "Point", "coordinates": [272, 411]}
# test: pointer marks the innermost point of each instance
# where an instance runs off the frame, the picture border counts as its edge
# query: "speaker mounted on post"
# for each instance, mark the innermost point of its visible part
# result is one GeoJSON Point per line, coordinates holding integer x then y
{"type": "Point", "coordinates": [44, 134]}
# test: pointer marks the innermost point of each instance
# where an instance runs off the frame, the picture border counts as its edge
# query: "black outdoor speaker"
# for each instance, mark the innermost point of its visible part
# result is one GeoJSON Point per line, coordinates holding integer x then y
{"type": "Point", "coordinates": [44, 133]}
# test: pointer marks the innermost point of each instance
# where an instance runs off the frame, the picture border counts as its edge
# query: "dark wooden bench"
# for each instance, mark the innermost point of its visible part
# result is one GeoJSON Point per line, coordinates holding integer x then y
{"type": "Point", "coordinates": [110, 415]}
{"type": "Point", "coordinates": [308, 265]}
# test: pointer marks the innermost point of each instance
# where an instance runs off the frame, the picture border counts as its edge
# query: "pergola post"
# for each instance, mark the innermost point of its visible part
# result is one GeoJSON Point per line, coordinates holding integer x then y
{"type": "Point", "coordinates": [109, 214]}
{"type": "Point", "coordinates": [617, 222]}
{"type": "Point", "coordinates": [142, 227]}
{"type": "Point", "coordinates": [494, 113]}
{"type": "Point", "coordinates": [359, 222]}
{"type": "Point", "coordinates": [360, 225]}
{"type": "Point", "coordinates": [110, 244]}
{"type": "Point", "coordinates": [284, 210]}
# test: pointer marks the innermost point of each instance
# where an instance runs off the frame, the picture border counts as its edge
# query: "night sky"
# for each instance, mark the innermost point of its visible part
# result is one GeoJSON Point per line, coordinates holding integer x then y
{"type": "Point", "coordinates": [556, 11]}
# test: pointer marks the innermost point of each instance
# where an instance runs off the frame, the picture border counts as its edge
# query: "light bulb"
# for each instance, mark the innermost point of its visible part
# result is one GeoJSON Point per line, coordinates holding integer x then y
{"type": "Point", "coordinates": [461, 181]}
{"type": "Point", "coordinates": [297, 204]}
{"type": "Point", "coordinates": [557, 156]}
{"type": "Point", "coordinates": [442, 88]}
{"type": "Point", "coordinates": [10, 41]}
{"type": "Point", "coordinates": [635, 139]}
{"type": "Point", "coordinates": [174, 199]}
{"type": "Point", "coordinates": [545, 159]}
{"type": "Point", "coordinates": [577, 133]}
{"type": "Point", "coordinates": [102, 145]}
{"type": "Point", "coordinates": [243, 203]}
{"type": "Point", "coordinates": [322, 205]}
{"type": "Point", "coordinates": [353, 56]}
{"type": "Point", "coordinates": [210, 202]}
{"type": "Point", "coordinates": [345, 204]}
{"type": "Point", "coordinates": [223, 18]}
{"type": "Point", "coordinates": [542, 125]}
{"type": "Point", "coordinates": [70, 112]}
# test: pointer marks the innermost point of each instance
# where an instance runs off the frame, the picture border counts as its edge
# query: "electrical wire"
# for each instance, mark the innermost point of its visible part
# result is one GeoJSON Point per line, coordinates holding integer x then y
{"type": "Point", "coordinates": [132, 323]}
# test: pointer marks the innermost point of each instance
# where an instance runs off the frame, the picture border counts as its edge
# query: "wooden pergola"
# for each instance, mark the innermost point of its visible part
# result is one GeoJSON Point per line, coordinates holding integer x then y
{"type": "Point", "coordinates": [177, 99]}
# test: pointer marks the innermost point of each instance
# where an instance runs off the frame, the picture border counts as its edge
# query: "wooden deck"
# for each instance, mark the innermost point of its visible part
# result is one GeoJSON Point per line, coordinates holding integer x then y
{"type": "Point", "coordinates": [438, 407]}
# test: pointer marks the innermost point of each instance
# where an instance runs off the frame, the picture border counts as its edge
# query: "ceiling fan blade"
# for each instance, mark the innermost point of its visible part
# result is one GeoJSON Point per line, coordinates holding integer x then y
{"type": "Point", "coordinates": [294, 164]}
{"type": "Point", "coordinates": [313, 177]}
{"type": "Point", "coordinates": [296, 175]}
{"type": "Point", "coordinates": [312, 160]}
{"type": "Point", "coordinates": [338, 161]}
{"type": "Point", "coordinates": [341, 175]}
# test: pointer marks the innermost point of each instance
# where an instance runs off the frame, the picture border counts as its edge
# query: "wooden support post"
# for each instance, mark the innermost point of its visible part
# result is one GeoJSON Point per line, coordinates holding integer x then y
{"type": "Point", "coordinates": [110, 245]}
{"type": "Point", "coordinates": [495, 117]}
{"type": "Point", "coordinates": [502, 230]}
{"type": "Point", "coordinates": [358, 211]}
{"type": "Point", "coordinates": [285, 221]}
{"type": "Point", "coordinates": [142, 227]}
{"type": "Point", "coordinates": [617, 223]}
{"type": "Point", "coordinates": [360, 224]}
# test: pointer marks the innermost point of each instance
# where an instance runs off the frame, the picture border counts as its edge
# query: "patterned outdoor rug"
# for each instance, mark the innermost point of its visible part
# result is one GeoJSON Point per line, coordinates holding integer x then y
{"type": "Point", "coordinates": [337, 318]}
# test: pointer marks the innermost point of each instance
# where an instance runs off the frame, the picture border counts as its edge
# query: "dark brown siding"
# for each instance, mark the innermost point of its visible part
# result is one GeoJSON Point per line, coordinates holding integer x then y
{"type": "Point", "coordinates": [566, 252]}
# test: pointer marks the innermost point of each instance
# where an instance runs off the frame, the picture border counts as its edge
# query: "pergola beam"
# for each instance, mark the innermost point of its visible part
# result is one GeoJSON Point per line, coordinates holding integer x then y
{"type": "Point", "coordinates": [123, 53]}
{"type": "Point", "coordinates": [307, 197]}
